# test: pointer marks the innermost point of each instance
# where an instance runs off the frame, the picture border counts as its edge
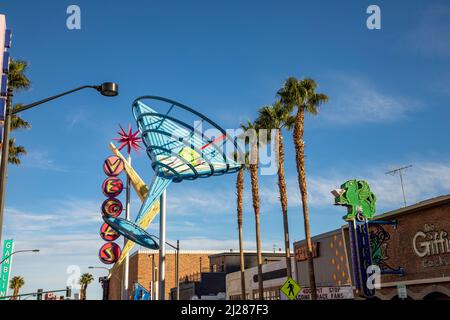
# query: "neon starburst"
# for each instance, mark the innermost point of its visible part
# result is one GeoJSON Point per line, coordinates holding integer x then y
{"type": "Point", "coordinates": [128, 139]}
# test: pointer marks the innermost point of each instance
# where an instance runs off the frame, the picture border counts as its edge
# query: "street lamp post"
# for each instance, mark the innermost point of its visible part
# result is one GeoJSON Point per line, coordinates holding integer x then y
{"type": "Point", "coordinates": [109, 270]}
{"type": "Point", "coordinates": [177, 271]}
{"type": "Point", "coordinates": [177, 265]}
{"type": "Point", "coordinates": [107, 89]}
{"type": "Point", "coordinates": [19, 251]}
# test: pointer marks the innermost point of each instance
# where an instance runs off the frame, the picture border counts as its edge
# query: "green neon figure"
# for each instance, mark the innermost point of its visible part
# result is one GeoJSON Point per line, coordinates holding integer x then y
{"type": "Point", "coordinates": [357, 197]}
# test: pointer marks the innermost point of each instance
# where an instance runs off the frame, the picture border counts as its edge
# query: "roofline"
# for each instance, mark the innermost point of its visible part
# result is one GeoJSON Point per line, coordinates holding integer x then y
{"type": "Point", "coordinates": [319, 236]}
{"type": "Point", "coordinates": [213, 253]}
{"type": "Point", "coordinates": [425, 204]}
{"type": "Point", "coordinates": [235, 253]}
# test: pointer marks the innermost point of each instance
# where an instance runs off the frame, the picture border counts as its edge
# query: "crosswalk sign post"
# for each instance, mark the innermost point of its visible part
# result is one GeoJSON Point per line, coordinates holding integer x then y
{"type": "Point", "coordinates": [290, 288]}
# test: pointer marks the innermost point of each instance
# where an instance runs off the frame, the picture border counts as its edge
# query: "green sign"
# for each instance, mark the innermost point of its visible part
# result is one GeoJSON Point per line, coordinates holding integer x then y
{"type": "Point", "coordinates": [8, 246]}
{"type": "Point", "coordinates": [290, 289]}
{"type": "Point", "coordinates": [358, 198]}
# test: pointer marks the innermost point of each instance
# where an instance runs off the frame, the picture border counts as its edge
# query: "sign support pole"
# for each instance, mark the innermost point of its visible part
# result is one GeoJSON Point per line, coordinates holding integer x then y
{"type": "Point", "coordinates": [162, 247]}
{"type": "Point", "coordinates": [127, 217]}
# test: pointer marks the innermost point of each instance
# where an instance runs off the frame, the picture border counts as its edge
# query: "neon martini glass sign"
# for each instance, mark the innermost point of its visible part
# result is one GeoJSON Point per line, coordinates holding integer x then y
{"type": "Point", "coordinates": [178, 151]}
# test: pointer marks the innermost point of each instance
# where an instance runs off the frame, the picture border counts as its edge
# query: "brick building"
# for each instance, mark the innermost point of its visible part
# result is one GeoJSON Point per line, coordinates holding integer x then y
{"type": "Point", "coordinates": [142, 262]}
{"type": "Point", "coordinates": [420, 245]}
{"type": "Point", "coordinates": [416, 246]}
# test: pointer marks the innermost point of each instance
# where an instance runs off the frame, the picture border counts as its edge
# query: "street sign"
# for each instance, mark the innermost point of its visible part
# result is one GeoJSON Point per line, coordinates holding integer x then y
{"type": "Point", "coordinates": [140, 293]}
{"type": "Point", "coordinates": [402, 292]}
{"type": "Point", "coordinates": [8, 246]}
{"type": "Point", "coordinates": [290, 288]}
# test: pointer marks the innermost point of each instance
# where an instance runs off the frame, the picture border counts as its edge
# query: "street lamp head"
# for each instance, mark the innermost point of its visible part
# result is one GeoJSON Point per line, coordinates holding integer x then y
{"type": "Point", "coordinates": [90, 267]}
{"type": "Point", "coordinates": [36, 250]}
{"type": "Point", "coordinates": [108, 89]}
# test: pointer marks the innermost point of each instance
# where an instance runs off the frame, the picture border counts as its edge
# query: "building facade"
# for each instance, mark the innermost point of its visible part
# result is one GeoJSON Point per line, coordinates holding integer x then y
{"type": "Point", "coordinates": [143, 269]}
{"type": "Point", "coordinates": [274, 276]}
{"type": "Point", "coordinates": [419, 245]}
{"type": "Point", "coordinates": [333, 278]}
{"type": "Point", "coordinates": [410, 246]}
{"type": "Point", "coordinates": [230, 261]}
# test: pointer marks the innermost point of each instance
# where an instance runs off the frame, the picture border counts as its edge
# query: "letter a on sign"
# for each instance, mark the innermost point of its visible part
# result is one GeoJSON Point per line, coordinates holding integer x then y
{"type": "Point", "coordinates": [374, 20]}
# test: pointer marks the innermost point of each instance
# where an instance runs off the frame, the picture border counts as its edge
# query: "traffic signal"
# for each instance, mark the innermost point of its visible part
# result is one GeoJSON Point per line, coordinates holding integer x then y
{"type": "Point", "coordinates": [105, 285]}
{"type": "Point", "coordinates": [39, 294]}
{"type": "Point", "coordinates": [68, 292]}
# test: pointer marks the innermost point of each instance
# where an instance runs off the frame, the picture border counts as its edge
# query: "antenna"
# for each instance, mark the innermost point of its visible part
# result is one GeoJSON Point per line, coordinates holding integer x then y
{"type": "Point", "coordinates": [400, 172]}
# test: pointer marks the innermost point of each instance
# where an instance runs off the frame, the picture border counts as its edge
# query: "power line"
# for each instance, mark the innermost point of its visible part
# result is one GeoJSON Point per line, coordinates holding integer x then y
{"type": "Point", "coordinates": [400, 172]}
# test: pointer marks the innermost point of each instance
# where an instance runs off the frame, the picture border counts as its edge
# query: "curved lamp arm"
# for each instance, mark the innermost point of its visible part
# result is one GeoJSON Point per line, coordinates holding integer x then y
{"type": "Point", "coordinates": [19, 251]}
{"type": "Point", "coordinates": [109, 89]}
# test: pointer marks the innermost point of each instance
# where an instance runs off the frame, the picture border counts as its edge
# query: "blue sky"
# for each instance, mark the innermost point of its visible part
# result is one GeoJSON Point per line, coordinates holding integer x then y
{"type": "Point", "coordinates": [389, 93]}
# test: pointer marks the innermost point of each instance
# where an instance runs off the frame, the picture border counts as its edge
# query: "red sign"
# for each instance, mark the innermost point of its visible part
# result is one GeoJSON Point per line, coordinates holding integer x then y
{"type": "Point", "coordinates": [112, 207]}
{"type": "Point", "coordinates": [301, 253]}
{"type": "Point", "coordinates": [109, 253]}
{"type": "Point", "coordinates": [112, 187]}
{"type": "Point", "coordinates": [107, 233]}
{"type": "Point", "coordinates": [113, 166]}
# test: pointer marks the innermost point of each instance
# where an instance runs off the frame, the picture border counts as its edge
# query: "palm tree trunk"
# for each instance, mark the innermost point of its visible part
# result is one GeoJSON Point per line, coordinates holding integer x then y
{"type": "Point", "coordinates": [255, 196]}
{"type": "Point", "coordinates": [283, 200]}
{"type": "Point", "coordinates": [83, 292]}
{"type": "Point", "coordinates": [240, 189]}
{"type": "Point", "coordinates": [300, 159]}
{"type": "Point", "coordinates": [15, 293]}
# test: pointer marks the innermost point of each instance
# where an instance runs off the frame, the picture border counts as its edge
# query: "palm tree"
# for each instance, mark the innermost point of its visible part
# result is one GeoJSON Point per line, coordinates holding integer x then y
{"type": "Point", "coordinates": [242, 159]}
{"type": "Point", "coordinates": [278, 117]}
{"type": "Point", "coordinates": [17, 80]}
{"type": "Point", "coordinates": [301, 94]}
{"type": "Point", "coordinates": [85, 280]}
{"type": "Point", "coordinates": [15, 284]}
{"type": "Point", "coordinates": [253, 165]}
{"type": "Point", "coordinates": [15, 152]}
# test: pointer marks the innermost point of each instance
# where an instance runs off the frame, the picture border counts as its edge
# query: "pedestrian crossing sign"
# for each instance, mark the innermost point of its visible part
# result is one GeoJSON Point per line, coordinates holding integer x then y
{"type": "Point", "coordinates": [290, 288]}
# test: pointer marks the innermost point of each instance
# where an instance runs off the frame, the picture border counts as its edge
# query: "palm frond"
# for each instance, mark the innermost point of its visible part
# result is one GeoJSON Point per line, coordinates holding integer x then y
{"type": "Point", "coordinates": [16, 76]}
{"type": "Point", "coordinates": [19, 123]}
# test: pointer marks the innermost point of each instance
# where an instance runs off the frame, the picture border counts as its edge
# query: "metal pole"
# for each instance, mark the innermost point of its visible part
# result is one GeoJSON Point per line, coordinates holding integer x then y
{"type": "Point", "coordinates": [177, 279]}
{"type": "Point", "coordinates": [127, 258]}
{"type": "Point", "coordinates": [403, 189]}
{"type": "Point", "coordinates": [5, 156]}
{"type": "Point", "coordinates": [153, 279]}
{"type": "Point", "coordinates": [162, 246]}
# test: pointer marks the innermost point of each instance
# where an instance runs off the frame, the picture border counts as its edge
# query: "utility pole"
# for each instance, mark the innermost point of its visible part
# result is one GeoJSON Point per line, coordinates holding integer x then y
{"type": "Point", "coordinates": [162, 247]}
{"type": "Point", "coordinates": [125, 293]}
{"type": "Point", "coordinates": [400, 172]}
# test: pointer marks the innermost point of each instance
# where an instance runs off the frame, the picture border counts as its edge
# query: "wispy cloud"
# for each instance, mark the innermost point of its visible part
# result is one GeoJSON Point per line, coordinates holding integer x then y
{"type": "Point", "coordinates": [431, 35]}
{"type": "Point", "coordinates": [355, 100]}
{"type": "Point", "coordinates": [40, 159]}
{"type": "Point", "coordinates": [75, 117]}
{"type": "Point", "coordinates": [422, 181]}
{"type": "Point", "coordinates": [73, 214]}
